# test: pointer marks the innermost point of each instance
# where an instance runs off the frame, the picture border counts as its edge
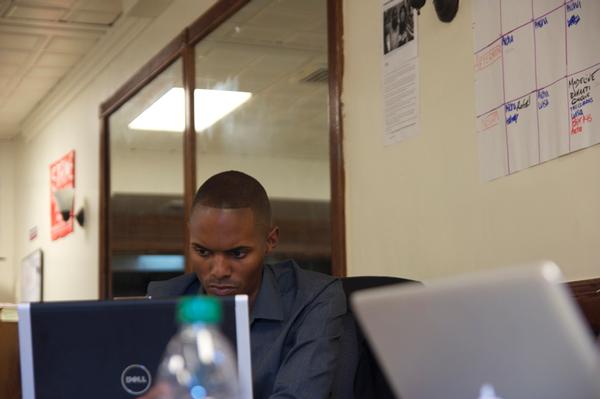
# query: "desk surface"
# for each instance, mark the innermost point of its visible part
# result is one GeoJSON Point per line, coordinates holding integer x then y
{"type": "Point", "coordinates": [10, 378]}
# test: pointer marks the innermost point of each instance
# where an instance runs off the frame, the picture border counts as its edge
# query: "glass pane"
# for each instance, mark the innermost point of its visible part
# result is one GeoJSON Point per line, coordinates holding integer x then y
{"type": "Point", "coordinates": [261, 107]}
{"type": "Point", "coordinates": [146, 177]}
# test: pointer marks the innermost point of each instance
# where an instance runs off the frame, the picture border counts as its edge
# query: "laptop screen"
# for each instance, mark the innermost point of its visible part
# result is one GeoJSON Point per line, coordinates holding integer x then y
{"type": "Point", "coordinates": [109, 349]}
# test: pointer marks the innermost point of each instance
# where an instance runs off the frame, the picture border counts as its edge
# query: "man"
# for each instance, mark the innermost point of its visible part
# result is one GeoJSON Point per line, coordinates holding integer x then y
{"type": "Point", "coordinates": [295, 315]}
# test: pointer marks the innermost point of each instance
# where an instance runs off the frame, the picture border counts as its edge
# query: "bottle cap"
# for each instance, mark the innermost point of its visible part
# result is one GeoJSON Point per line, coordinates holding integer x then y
{"type": "Point", "coordinates": [199, 309]}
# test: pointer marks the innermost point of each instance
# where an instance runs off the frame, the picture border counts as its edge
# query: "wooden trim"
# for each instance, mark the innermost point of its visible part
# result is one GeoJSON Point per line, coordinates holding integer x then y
{"type": "Point", "coordinates": [189, 147]}
{"type": "Point", "coordinates": [585, 288]}
{"type": "Point", "coordinates": [213, 18]}
{"type": "Point", "coordinates": [335, 35]}
{"type": "Point", "coordinates": [138, 81]}
{"type": "Point", "coordinates": [144, 75]}
{"type": "Point", "coordinates": [104, 270]}
{"type": "Point", "coordinates": [587, 295]}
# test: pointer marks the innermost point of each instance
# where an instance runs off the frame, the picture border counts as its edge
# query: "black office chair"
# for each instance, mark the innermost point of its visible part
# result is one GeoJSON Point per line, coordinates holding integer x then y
{"type": "Point", "coordinates": [358, 375]}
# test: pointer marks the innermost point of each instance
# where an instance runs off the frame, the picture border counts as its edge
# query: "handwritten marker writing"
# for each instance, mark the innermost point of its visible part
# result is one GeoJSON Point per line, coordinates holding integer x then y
{"type": "Point", "coordinates": [541, 22]}
{"type": "Point", "coordinates": [574, 5]}
{"type": "Point", "coordinates": [508, 39]}
{"type": "Point", "coordinates": [574, 20]}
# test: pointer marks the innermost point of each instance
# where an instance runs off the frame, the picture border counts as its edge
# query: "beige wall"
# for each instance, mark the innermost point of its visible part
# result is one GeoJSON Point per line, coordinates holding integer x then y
{"type": "Point", "coordinates": [152, 172]}
{"type": "Point", "coordinates": [418, 209]}
{"type": "Point", "coordinates": [7, 204]}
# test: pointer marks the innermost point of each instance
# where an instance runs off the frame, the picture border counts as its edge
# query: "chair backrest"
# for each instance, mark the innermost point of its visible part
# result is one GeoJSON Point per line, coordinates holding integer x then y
{"type": "Point", "coordinates": [358, 374]}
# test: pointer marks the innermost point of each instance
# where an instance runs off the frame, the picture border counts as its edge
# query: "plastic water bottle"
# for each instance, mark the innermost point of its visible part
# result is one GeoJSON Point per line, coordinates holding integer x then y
{"type": "Point", "coordinates": [199, 362]}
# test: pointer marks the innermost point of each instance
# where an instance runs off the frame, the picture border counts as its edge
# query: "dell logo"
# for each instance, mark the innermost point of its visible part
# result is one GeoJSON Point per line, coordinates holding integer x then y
{"type": "Point", "coordinates": [136, 379]}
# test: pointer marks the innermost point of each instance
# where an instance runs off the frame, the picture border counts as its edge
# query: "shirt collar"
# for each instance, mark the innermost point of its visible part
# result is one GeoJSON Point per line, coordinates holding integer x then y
{"type": "Point", "coordinates": [268, 301]}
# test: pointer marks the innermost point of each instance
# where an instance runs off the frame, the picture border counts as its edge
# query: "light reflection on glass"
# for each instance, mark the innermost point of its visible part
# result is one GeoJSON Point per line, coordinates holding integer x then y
{"type": "Point", "coordinates": [205, 345]}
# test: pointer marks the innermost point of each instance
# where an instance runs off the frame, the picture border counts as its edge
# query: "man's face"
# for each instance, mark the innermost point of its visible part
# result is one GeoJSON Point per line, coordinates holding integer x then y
{"type": "Point", "coordinates": [403, 18]}
{"type": "Point", "coordinates": [228, 248]}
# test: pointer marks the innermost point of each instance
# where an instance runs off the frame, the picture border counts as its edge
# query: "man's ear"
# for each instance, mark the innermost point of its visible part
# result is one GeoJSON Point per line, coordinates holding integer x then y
{"type": "Point", "coordinates": [272, 239]}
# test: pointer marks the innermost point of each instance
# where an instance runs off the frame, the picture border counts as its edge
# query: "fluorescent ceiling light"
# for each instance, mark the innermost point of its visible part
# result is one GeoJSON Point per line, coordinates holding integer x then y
{"type": "Point", "coordinates": [168, 112]}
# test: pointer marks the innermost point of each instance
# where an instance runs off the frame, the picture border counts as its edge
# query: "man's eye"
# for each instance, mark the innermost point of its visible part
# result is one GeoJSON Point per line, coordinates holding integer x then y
{"type": "Point", "coordinates": [238, 253]}
{"type": "Point", "coordinates": [202, 252]}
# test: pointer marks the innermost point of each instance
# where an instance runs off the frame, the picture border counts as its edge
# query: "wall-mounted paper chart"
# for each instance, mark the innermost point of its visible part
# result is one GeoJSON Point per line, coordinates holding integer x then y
{"type": "Point", "coordinates": [537, 81]}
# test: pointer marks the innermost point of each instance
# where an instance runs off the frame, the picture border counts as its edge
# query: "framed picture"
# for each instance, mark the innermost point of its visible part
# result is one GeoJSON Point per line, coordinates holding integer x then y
{"type": "Point", "coordinates": [32, 275]}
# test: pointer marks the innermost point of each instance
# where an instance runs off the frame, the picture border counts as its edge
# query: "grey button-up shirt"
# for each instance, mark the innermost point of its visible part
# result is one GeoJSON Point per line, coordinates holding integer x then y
{"type": "Point", "coordinates": [296, 325]}
{"type": "Point", "coordinates": [295, 329]}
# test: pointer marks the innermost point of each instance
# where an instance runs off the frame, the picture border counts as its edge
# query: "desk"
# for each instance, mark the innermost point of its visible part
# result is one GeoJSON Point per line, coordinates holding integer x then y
{"type": "Point", "coordinates": [10, 378]}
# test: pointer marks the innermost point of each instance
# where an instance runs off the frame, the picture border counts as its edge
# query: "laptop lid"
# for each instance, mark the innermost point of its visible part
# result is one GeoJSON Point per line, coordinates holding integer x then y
{"type": "Point", "coordinates": [110, 349]}
{"type": "Point", "coordinates": [508, 334]}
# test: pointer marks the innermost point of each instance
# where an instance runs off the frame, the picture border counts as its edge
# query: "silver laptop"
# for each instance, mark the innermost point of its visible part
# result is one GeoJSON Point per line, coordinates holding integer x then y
{"type": "Point", "coordinates": [507, 334]}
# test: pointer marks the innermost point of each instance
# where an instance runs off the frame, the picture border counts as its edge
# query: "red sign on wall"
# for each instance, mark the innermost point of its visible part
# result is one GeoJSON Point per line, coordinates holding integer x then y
{"type": "Point", "coordinates": [62, 175]}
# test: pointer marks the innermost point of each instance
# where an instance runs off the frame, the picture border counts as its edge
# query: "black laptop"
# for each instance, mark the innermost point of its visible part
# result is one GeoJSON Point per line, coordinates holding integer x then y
{"type": "Point", "coordinates": [110, 349]}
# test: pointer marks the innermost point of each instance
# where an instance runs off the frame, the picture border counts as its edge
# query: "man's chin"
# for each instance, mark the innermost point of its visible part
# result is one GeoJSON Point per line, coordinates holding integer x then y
{"type": "Point", "coordinates": [222, 290]}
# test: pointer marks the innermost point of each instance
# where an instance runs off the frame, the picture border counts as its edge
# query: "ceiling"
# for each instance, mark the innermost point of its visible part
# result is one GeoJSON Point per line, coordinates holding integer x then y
{"type": "Point", "coordinates": [40, 41]}
{"type": "Point", "coordinates": [270, 47]}
{"type": "Point", "coordinates": [275, 49]}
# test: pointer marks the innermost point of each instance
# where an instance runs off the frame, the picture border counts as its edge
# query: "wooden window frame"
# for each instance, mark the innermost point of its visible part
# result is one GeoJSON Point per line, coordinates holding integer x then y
{"type": "Point", "coordinates": [182, 47]}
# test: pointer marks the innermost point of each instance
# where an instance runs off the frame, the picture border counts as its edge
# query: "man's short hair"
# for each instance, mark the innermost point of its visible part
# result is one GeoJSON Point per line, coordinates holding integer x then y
{"type": "Point", "coordinates": [235, 190]}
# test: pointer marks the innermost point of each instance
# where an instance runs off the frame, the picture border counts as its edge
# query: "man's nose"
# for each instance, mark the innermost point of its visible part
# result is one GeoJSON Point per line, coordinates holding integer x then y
{"type": "Point", "coordinates": [220, 267]}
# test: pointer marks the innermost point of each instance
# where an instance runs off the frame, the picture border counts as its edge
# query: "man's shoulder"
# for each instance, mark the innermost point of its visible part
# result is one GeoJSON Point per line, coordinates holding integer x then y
{"type": "Point", "coordinates": [291, 277]}
{"type": "Point", "coordinates": [185, 284]}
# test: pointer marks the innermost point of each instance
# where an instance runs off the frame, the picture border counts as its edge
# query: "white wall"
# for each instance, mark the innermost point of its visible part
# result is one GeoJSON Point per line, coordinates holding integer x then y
{"type": "Point", "coordinates": [418, 209]}
{"type": "Point", "coordinates": [7, 204]}
{"type": "Point", "coordinates": [71, 263]}
{"type": "Point", "coordinates": [285, 178]}
{"type": "Point", "coordinates": [152, 172]}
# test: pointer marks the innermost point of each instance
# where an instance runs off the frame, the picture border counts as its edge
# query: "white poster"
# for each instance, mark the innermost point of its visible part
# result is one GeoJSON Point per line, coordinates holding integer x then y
{"type": "Point", "coordinates": [31, 277]}
{"type": "Point", "coordinates": [537, 81]}
{"type": "Point", "coordinates": [400, 71]}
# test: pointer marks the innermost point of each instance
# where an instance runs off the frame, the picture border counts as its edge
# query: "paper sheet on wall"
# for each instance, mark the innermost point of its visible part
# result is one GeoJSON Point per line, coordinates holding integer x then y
{"type": "Point", "coordinates": [31, 277]}
{"type": "Point", "coordinates": [400, 72]}
{"type": "Point", "coordinates": [537, 81]}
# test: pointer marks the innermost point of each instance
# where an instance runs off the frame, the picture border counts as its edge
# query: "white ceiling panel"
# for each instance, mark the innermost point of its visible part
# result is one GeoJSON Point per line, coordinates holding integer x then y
{"type": "Point", "coordinates": [281, 21]}
{"type": "Point", "coordinates": [259, 34]}
{"type": "Point", "coordinates": [70, 45]}
{"type": "Point", "coordinates": [8, 70]}
{"type": "Point", "coordinates": [16, 112]}
{"type": "Point", "coordinates": [310, 8]}
{"type": "Point", "coordinates": [46, 72]}
{"type": "Point", "coordinates": [308, 40]}
{"type": "Point", "coordinates": [57, 60]}
{"type": "Point", "coordinates": [36, 85]}
{"type": "Point", "coordinates": [35, 13]}
{"type": "Point", "coordinates": [284, 63]}
{"type": "Point", "coordinates": [254, 82]}
{"type": "Point", "coordinates": [46, 3]}
{"type": "Point", "coordinates": [108, 6]}
{"type": "Point", "coordinates": [92, 17]}
{"type": "Point", "coordinates": [19, 41]}
{"type": "Point", "coordinates": [40, 41]}
{"type": "Point", "coordinates": [13, 57]}
{"type": "Point", "coordinates": [224, 57]}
